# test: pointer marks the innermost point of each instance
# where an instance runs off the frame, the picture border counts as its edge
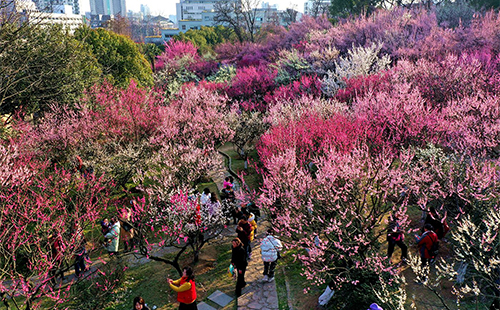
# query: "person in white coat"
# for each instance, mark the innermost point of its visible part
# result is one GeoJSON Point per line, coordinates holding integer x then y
{"type": "Point", "coordinates": [326, 296]}
{"type": "Point", "coordinates": [269, 247]}
{"type": "Point", "coordinates": [205, 197]}
{"type": "Point", "coordinates": [113, 236]}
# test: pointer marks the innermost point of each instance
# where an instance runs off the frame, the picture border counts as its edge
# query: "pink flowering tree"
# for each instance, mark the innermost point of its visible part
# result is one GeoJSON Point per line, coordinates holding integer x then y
{"type": "Point", "coordinates": [193, 126]}
{"type": "Point", "coordinates": [464, 189]}
{"type": "Point", "coordinates": [44, 210]}
{"type": "Point", "coordinates": [250, 85]}
{"type": "Point", "coordinates": [335, 216]}
{"type": "Point", "coordinates": [110, 132]}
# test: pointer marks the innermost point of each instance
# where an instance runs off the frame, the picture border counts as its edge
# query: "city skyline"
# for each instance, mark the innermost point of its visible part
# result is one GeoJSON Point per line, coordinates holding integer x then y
{"type": "Point", "coordinates": [167, 7]}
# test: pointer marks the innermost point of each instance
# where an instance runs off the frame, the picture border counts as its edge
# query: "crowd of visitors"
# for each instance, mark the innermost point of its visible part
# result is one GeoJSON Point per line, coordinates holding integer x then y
{"type": "Point", "coordinates": [120, 227]}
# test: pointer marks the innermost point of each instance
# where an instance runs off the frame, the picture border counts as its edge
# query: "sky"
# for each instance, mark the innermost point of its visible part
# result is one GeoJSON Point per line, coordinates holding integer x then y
{"type": "Point", "coordinates": [167, 7]}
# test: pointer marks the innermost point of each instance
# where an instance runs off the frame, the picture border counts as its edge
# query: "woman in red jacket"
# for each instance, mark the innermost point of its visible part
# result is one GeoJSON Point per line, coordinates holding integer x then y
{"type": "Point", "coordinates": [186, 290]}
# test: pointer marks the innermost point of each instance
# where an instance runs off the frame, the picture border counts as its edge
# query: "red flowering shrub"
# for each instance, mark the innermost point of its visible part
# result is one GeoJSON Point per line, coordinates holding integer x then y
{"type": "Point", "coordinates": [251, 84]}
{"type": "Point", "coordinates": [360, 85]}
{"type": "Point", "coordinates": [309, 136]}
{"type": "Point", "coordinates": [307, 85]}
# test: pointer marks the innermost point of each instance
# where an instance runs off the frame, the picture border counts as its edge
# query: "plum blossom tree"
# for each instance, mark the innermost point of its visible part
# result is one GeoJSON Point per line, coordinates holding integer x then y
{"type": "Point", "coordinates": [193, 125]}
{"type": "Point", "coordinates": [247, 126]}
{"type": "Point", "coordinates": [44, 209]}
{"type": "Point", "coordinates": [335, 217]}
{"type": "Point", "coordinates": [110, 132]}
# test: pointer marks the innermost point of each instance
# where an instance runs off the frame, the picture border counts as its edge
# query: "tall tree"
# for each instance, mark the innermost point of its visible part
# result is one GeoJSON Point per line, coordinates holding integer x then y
{"type": "Point", "coordinates": [119, 57]}
{"type": "Point", "coordinates": [120, 25]}
{"type": "Point", "coordinates": [40, 66]}
{"type": "Point", "coordinates": [239, 15]}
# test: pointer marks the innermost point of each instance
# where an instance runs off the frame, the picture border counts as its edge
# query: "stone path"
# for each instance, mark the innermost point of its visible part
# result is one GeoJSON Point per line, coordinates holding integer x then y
{"type": "Point", "coordinates": [258, 295]}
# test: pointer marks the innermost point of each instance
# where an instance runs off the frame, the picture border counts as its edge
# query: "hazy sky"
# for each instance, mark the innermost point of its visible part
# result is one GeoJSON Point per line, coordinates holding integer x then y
{"type": "Point", "coordinates": [167, 7]}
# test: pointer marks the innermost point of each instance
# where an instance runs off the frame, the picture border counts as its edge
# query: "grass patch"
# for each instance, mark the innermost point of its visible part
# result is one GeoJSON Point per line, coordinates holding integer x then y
{"type": "Point", "coordinates": [150, 280]}
{"type": "Point", "coordinates": [289, 270]}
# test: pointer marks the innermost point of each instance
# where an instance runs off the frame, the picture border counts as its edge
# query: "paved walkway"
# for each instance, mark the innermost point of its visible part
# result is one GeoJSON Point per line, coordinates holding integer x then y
{"type": "Point", "coordinates": [258, 294]}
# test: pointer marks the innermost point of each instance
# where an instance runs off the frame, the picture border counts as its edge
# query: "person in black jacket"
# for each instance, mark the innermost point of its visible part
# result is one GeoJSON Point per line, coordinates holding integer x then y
{"type": "Point", "coordinates": [239, 261]}
{"type": "Point", "coordinates": [244, 230]}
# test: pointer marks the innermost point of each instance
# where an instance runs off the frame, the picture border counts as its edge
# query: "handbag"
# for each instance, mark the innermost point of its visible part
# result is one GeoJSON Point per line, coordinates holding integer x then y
{"type": "Point", "coordinates": [230, 270]}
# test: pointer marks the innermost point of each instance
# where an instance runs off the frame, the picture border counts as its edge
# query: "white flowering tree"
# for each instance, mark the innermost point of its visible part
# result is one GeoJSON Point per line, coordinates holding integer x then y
{"type": "Point", "coordinates": [360, 61]}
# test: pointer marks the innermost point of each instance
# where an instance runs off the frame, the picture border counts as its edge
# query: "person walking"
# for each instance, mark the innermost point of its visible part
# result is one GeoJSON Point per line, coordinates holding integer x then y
{"type": "Point", "coordinates": [139, 304]}
{"type": "Point", "coordinates": [269, 248]}
{"type": "Point", "coordinates": [80, 256]}
{"type": "Point", "coordinates": [205, 197]}
{"type": "Point", "coordinates": [127, 228]}
{"type": "Point", "coordinates": [253, 226]}
{"type": "Point", "coordinates": [244, 229]}
{"type": "Point", "coordinates": [239, 261]}
{"type": "Point", "coordinates": [395, 236]}
{"type": "Point", "coordinates": [228, 182]}
{"type": "Point", "coordinates": [213, 206]}
{"type": "Point", "coordinates": [113, 236]}
{"type": "Point", "coordinates": [186, 289]}
{"type": "Point", "coordinates": [426, 243]}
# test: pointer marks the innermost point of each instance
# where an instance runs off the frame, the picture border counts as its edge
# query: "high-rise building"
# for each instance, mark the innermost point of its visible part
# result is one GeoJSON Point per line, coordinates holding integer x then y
{"type": "Point", "coordinates": [49, 6]}
{"type": "Point", "coordinates": [108, 7]}
{"type": "Point", "coordinates": [145, 10]}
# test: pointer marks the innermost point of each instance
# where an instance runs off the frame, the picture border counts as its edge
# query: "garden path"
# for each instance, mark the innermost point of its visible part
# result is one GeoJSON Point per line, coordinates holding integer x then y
{"type": "Point", "coordinates": [258, 295]}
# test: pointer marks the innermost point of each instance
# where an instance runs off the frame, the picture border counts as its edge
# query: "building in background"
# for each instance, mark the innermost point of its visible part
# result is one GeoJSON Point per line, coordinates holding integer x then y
{"type": "Point", "coordinates": [27, 11]}
{"type": "Point", "coordinates": [102, 11]}
{"type": "Point", "coordinates": [145, 10]}
{"type": "Point", "coordinates": [108, 7]}
{"type": "Point", "coordinates": [173, 18]}
{"type": "Point", "coordinates": [49, 6]}
{"type": "Point", "coordinates": [193, 14]}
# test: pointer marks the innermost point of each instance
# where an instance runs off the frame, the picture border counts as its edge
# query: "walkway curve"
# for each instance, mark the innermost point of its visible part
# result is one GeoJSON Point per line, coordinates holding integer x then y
{"type": "Point", "coordinates": [257, 295]}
